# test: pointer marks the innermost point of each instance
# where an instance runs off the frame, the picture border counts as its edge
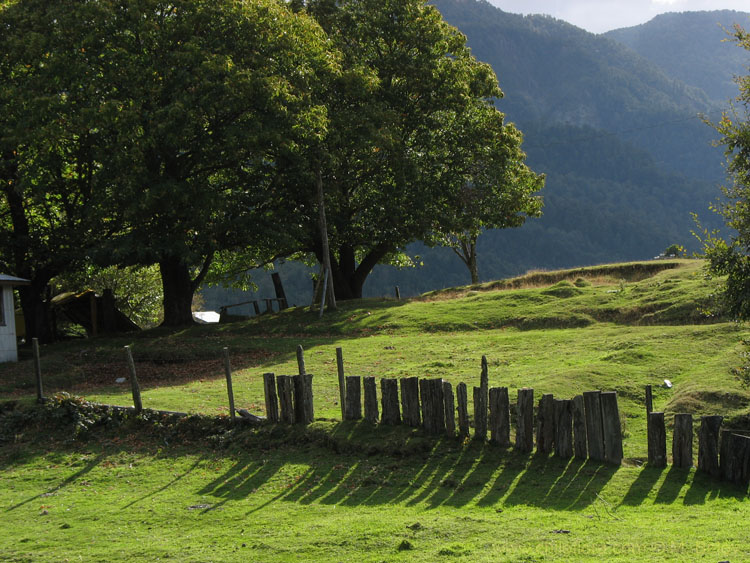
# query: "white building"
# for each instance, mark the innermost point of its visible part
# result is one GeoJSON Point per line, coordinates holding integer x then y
{"type": "Point", "coordinates": [8, 345]}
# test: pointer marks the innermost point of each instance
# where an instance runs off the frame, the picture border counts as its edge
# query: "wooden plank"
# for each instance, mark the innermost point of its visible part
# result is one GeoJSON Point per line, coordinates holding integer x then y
{"type": "Point", "coordinates": [525, 420]}
{"type": "Point", "coordinates": [410, 401]}
{"type": "Point", "coordinates": [611, 427]}
{"type": "Point", "coordinates": [272, 401]}
{"type": "Point", "coordinates": [563, 409]}
{"type": "Point", "coordinates": [463, 410]}
{"type": "Point", "coordinates": [371, 400]}
{"type": "Point", "coordinates": [682, 441]}
{"type": "Point", "coordinates": [594, 429]}
{"type": "Point", "coordinates": [708, 445]}
{"type": "Point", "coordinates": [499, 416]}
{"type": "Point", "coordinates": [342, 380]}
{"type": "Point", "coordinates": [579, 427]}
{"type": "Point", "coordinates": [228, 375]}
{"type": "Point", "coordinates": [353, 408]}
{"type": "Point", "coordinates": [303, 398]}
{"type": "Point", "coordinates": [433, 408]}
{"type": "Point", "coordinates": [285, 388]}
{"type": "Point", "coordinates": [389, 401]}
{"type": "Point", "coordinates": [545, 434]}
{"type": "Point", "coordinates": [135, 388]}
{"type": "Point", "coordinates": [657, 440]}
{"type": "Point", "coordinates": [450, 409]}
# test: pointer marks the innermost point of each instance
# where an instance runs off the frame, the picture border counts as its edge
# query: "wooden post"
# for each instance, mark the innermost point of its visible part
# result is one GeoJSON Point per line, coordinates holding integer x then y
{"type": "Point", "coordinates": [303, 398]}
{"type": "Point", "coordinates": [433, 407]}
{"type": "Point", "coordinates": [450, 409]}
{"type": "Point", "coordinates": [563, 409]}
{"type": "Point", "coordinates": [525, 423]}
{"type": "Point", "coordinates": [389, 401]}
{"type": "Point", "coordinates": [256, 308]}
{"type": "Point", "coordinates": [228, 374]}
{"type": "Point", "coordinates": [279, 290]}
{"type": "Point", "coordinates": [136, 389]}
{"type": "Point", "coordinates": [579, 428]}
{"type": "Point", "coordinates": [301, 360]}
{"type": "Point", "coordinates": [612, 430]}
{"type": "Point", "coordinates": [398, 294]}
{"type": "Point", "coordinates": [353, 405]}
{"type": "Point", "coordinates": [481, 400]}
{"type": "Point", "coordinates": [410, 401]}
{"type": "Point", "coordinates": [272, 401]}
{"type": "Point", "coordinates": [594, 430]}
{"type": "Point", "coordinates": [285, 386]}
{"type": "Point", "coordinates": [38, 371]}
{"type": "Point", "coordinates": [545, 436]}
{"type": "Point", "coordinates": [499, 416]}
{"type": "Point", "coordinates": [708, 445]}
{"type": "Point", "coordinates": [649, 401]}
{"type": "Point", "coordinates": [342, 381]}
{"type": "Point", "coordinates": [657, 440]}
{"type": "Point", "coordinates": [682, 441]}
{"type": "Point", "coordinates": [741, 460]}
{"type": "Point", "coordinates": [371, 400]}
{"type": "Point", "coordinates": [463, 410]}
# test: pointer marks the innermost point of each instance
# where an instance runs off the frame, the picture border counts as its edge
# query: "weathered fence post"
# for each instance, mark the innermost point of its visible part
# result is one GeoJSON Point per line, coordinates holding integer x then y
{"type": "Point", "coordinates": [657, 440]}
{"type": "Point", "coordinates": [594, 430]}
{"type": "Point", "coordinates": [563, 428]}
{"type": "Point", "coordinates": [389, 401]}
{"type": "Point", "coordinates": [499, 416]}
{"type": "Point", "coordinates": [481, 398]}
{"type": "Point", "coordinates": [410, 401]}
{"type": "Point", "coordinates": [649, 401]}
{"type": "Point", "coordinates": [433, 409]}
{"type": "Point", "coordinates": [463, 410]}
{"type": "Point", "coordinates": [285, 386]}
{"type": "Point", "coordinates": [301, 360]}
{"type": "Point", "coordinates": [579, 427]}
{"type": "Point", "coordinates": [303, 398]}
{"type": "Point", "coordinates": [525, 422]}
{"type": "Point", "coordinates": [450, 409]}
{"type": "Point", "coordinates": [342, 381]}
{"type": "Point", "coordinates": [136, 389]}
{"type": "Point", "coordinates": [682, 441]}
{"type": "Point", "coordinates": [230, 391]}
{"type": "Point", "coordinates": [398, 294]}
{"type": "Point", "coordinates": [611, 428]}
{"type": "Point", "coordinates": [38, 370]}
{"type": "Point", "coordinates": [708, 445]}
{"type": "Point", "coordinates": [353, 410]}
{"type": "Point", "coordinates": [371, 400]}
{"type": "Point", "coordinates": [735, 458]}
{"type": "Point", "coordinates": [545, 420]}
{"type": "Point", "coordinates": [272, 401]}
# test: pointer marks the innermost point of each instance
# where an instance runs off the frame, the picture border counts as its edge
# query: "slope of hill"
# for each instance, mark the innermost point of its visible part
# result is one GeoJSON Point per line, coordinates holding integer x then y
{"type": "Point", "coordinates": [691, 47]}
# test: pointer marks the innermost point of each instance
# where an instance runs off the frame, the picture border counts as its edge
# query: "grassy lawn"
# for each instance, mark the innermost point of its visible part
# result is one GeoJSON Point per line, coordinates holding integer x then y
{"type": "Point", "coordinates": [342, 491]}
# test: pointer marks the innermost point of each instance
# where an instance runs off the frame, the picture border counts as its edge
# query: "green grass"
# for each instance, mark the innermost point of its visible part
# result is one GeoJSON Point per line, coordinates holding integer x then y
{"type": "Point", "coordinates": [328, 494]}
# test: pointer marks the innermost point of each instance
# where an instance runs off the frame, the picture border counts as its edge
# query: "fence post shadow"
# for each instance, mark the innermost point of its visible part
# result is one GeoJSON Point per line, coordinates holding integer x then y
{"type": "Point", "coordinates": [673, 482]}
{"type": "Point", "coordinates": [643, 485]}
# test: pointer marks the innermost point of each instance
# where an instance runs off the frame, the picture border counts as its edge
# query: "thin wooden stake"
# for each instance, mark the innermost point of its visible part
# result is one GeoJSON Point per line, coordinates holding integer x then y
{"type": "Point", "coordinates": [134, 382]}
{"type": "Point", "coordinates": [230, 392]}
{"type": "Point", "coordinates": [301, 360]}
{"type": "Point", "coordinates": [38, 371]}
{"type": "Point", "coordinates": [342, 381]}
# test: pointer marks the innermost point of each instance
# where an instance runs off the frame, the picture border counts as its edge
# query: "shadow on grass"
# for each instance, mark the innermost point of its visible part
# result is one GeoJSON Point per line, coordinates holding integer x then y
{"type": "Point", "coordinates": [422, 471]}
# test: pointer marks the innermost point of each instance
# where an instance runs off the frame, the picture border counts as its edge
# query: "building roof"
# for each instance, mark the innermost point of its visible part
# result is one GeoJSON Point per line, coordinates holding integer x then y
{"type": "Point", "coordinates": [12, 280]}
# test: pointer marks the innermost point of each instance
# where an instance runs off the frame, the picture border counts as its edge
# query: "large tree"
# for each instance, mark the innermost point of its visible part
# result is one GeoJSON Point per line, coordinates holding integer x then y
{"type": "Point", "coordinates": [195, 101]}
{"type": "Point", "coordinates": [397, 159]}
{"type": "Point", "coordinates": [732, 258]}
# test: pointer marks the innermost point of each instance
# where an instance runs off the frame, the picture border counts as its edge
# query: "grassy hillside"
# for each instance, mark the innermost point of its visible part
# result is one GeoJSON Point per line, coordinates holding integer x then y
{"type": "Point", "coordinates": [78, 485]}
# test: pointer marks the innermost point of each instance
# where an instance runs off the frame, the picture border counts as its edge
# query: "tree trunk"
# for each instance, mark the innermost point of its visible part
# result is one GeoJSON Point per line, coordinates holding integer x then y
{"type": "Point", "coordinates": [348, 276]}
{"type": "Point", "coordinates": [465, 247]}
{"type": "Point", "coordinates": [179, 289]}
{"type": "Point", "coordinates": [36, 312]}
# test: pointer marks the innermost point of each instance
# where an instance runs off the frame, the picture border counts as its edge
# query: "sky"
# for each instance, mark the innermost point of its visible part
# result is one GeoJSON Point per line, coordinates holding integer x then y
{"type": "Point", "coordinates": [599, 16]}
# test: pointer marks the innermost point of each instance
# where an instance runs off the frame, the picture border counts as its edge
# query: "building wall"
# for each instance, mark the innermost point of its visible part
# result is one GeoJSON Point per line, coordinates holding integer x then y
{"type": "Point", "coordinates": [8, 349]}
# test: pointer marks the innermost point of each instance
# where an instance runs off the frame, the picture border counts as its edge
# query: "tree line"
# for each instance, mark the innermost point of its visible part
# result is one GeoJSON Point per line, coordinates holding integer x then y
{"type": "Point", "coordinates": [200, 135]}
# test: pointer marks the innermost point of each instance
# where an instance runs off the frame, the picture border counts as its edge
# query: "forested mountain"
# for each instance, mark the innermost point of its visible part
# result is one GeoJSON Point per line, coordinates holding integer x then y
{"type": "Point", "coordinates": [690, 46]}
{"type": "Point", "coordinates": [620, 137]}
